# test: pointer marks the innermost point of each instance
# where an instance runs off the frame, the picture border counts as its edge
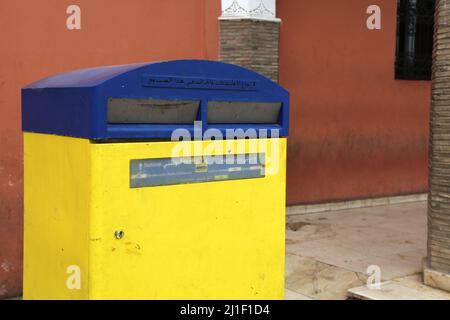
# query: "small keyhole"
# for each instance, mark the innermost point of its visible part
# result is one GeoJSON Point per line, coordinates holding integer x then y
{"type": "Point", "coordinates": [119, 234]}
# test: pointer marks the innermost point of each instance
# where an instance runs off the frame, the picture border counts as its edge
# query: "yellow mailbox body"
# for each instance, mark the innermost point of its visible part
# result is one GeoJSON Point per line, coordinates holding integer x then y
{"type": "Point", "coordinates": [212, 240]}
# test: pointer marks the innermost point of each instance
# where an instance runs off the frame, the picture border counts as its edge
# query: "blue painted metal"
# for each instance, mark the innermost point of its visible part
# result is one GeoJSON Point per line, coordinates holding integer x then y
{"type": "Point", "coordinates": [75, 103]}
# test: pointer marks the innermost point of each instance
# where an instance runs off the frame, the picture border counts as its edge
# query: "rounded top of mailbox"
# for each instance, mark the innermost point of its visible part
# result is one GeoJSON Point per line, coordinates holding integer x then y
{"type": "Point", "coordinates": [86, 77]}
{"type": "Point", "coordinates": [92, 77]}
{"type": "Point", "coordinates": [150, 100]}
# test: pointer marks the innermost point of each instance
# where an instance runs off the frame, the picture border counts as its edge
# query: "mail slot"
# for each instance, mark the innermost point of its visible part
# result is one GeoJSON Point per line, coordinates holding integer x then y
{"type": "Point", "coordinates": [160, 180]}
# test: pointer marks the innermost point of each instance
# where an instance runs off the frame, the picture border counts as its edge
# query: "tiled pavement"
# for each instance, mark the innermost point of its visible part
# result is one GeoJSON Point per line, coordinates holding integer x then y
{"type": "Point", "coordinates": [329, 253]}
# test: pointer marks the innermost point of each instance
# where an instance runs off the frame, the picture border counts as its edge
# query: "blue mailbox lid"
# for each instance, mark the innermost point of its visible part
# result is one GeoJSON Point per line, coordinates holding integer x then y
{"type": "Point", "coordinates": [76, 103]}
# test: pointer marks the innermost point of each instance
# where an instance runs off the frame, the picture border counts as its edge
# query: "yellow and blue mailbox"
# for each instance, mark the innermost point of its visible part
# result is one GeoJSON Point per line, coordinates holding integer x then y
{"type": "Point", "coordinates": [155, 181]}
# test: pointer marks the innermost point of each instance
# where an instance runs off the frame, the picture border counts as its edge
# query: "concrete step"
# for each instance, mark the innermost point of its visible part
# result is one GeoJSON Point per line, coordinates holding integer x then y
{"type": "Point", "coordinates": [395, 290]}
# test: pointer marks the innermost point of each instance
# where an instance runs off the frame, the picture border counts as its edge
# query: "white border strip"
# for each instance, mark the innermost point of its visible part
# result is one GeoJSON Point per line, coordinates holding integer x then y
{"type": "Point", "coordinates": [336, 206]}
{"type": "Point", "coordinates": [252, 18]}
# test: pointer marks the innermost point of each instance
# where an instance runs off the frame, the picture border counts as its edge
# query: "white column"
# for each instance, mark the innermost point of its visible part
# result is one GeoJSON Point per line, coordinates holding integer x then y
{"type": "Point", "coordinates": [249, 9]}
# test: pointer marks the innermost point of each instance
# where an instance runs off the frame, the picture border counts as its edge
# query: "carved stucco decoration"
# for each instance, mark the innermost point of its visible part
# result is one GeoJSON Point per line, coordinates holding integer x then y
{"type": "Point", "coordinates": [257, 9]}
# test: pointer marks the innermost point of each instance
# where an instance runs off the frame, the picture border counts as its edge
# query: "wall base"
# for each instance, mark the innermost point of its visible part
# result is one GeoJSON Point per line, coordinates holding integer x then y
{"type": "Point", "coordinates": [435, 279]}
{"type": "Point", "coordinates": [354, 204]}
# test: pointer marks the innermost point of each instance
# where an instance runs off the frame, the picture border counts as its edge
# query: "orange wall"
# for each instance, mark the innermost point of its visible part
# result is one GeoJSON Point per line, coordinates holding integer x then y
{"type": "Point", "coordinates": [355, 131]}
{"type": "Point", "coordinates": [36, 43]}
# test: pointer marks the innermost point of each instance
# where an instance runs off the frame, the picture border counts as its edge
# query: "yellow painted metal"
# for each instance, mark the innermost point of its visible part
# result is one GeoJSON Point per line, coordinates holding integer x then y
{"type": "Point", "coordinates": [216, 240]}
{"type": "Point", "coordinates": [57, 179]}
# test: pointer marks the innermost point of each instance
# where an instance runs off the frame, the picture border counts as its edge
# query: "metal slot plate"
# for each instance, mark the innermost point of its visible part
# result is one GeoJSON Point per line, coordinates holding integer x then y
{"type": "Point", "coordinates": [152, 111]}
{"type": "Point", "coordinates": [169, 171]}
{"type": "Point", "coordinates": [223, 112]}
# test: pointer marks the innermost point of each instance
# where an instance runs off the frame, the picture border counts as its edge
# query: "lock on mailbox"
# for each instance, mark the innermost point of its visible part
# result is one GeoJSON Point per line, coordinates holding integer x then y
{"type": "Point", "coordinates": [155, 181]}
